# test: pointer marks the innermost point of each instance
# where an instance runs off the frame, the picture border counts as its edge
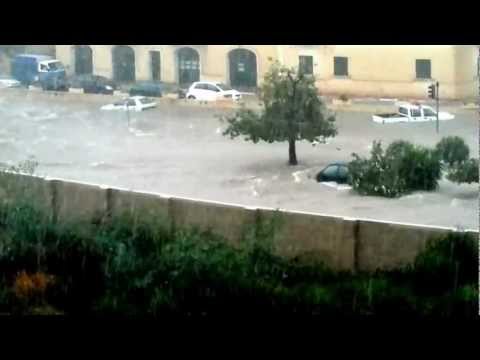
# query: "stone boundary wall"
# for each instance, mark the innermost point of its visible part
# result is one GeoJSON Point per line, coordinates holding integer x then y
{"type": "Point", "coordinates": [342, 243]}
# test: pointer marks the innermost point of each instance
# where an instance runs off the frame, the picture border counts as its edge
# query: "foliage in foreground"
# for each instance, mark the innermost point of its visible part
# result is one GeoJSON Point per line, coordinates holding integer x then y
{"type": "Point", "coordinates": [131, 267]}
{"type": "Point", "coordinates": [401, 169]}
{"type": "Point", "coordinates": [292, 110]}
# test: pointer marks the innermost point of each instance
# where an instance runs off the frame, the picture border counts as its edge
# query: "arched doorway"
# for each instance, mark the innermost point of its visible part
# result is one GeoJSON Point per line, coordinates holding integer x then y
{"type": "Point", "coordinates": [243, 68]}
{"type": "Point", "coordinates": [188, 66]}
{"type": "Point", "coordinates": [83, 59]}
{"type": "Point", "coordinates": [155, 65]}
{"type": "Point", "coordinates": [123, 58]}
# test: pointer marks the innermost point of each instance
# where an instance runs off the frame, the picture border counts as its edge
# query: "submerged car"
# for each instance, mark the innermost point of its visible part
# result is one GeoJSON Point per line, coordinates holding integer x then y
{"type": "Point", "coordinates": [212, 91]}
{"type": "Point", "coordinates": [335, 172]}
{"type": "Point", "coordinates": [134, 103]}
{"type": "Point", "coordinates": [8, 82]}
{"type": "Point", "coordinates": [93, 84]}
{"type": "Point", "coordinates": [147, 88]}
{"type": "Point", "coordinates": [407, 112]}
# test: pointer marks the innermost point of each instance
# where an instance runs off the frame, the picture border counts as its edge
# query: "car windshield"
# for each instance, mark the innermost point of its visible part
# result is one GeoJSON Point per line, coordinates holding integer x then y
{"type": "Point", "coordinates": [342, 171]}
{"type": "Point", "coordinates": [55, 66]}
{"type": "Point", "coordinates": [120, 103]}
{"type": "Point", "coordinates": [428, 112]}
{"type": "Point", "coordinates": [330, 171]}
{"type": "Point", "coordinates": [145, 100]}
{"type": "Point", "coordinates": [224, 87]}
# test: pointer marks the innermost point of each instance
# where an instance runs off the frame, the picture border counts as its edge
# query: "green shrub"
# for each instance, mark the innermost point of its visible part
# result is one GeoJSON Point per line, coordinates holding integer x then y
{"type": "Point", "coordinates": [446, 265]}
{"type": "Point", "coordinates": [452, 150]}
{"type": "Point", "coordinates": [137, 267]}
{"type": "Point", "coordinates": [403, 168]}
{"type": "Point", "coordinates": [465, 172]}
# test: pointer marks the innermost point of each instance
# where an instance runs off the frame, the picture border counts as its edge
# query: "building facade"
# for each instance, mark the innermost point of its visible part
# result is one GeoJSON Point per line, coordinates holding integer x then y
{"type": "Point", "coordinates": [354, 70]}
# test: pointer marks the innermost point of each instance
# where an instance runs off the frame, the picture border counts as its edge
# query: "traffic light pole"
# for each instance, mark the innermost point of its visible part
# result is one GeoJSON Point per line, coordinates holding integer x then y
{"type": "Point", "coordinates": [437, 97]}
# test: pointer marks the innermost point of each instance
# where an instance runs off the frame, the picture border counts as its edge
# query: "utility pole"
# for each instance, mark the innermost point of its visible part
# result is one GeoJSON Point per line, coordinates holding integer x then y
{"type": "Point", "coordinates": [433, 94]}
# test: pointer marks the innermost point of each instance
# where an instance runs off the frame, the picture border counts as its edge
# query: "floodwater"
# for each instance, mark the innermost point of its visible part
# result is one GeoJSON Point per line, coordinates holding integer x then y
{"type": "Point", "coordinates": [180, 150]}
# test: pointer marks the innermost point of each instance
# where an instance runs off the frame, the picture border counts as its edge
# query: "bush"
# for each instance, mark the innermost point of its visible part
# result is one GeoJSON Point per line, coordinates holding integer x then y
{"type": "Point", "coordinates": [403, 168]}
{"type": "Point", "coordinates": [452, 150]}
{"type": "Point", "coordinates": [465, 172]}
{"type": "Point", "coordinates": [134, 267]}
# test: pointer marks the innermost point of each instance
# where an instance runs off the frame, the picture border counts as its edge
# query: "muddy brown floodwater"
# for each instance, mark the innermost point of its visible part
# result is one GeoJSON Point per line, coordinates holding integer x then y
{"type": "Point", "coordinates": [180, 150]}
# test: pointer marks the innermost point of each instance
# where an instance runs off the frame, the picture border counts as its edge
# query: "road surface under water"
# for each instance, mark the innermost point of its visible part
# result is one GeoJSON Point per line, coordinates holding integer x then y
{"type": "Point", "coordinates": [180, 150]}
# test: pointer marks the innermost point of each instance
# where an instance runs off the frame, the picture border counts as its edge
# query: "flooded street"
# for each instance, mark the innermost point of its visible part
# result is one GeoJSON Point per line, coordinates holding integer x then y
{"type": "Point", "coordinates": [180, 150]}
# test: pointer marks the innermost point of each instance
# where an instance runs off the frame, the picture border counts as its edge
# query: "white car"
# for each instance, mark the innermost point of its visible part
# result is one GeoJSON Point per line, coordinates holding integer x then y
{"type": "Point", "coordinates": [8, 82]}
{"type": "Point", "coordinates": [134, 103]}
{"type": "Point", "coordinates": [412, 113]}
{"type": "Point", "coordinates": [212, 91]}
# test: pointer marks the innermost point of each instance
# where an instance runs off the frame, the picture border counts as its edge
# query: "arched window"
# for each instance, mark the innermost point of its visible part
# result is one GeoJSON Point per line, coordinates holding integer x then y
{"type": "Point", "coordinates": [123, 58]}
{"type": "Point", "coordinates": [83, 59]}
{"type": "Point", "coordinates": [243, 68]}
{"type": "Point", "coordinates": [188, 65]}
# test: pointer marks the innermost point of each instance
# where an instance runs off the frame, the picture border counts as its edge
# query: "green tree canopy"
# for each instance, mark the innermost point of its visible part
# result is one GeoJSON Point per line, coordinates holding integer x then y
{"type": "Point", "coordinates": [292, 110]}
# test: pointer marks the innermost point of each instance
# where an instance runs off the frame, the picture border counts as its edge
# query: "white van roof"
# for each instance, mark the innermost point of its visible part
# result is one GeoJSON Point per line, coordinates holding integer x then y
{"type": "Point", "coordinates": [36, 57]}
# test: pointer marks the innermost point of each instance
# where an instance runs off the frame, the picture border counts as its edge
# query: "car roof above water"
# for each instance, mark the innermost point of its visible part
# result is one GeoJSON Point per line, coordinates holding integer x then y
{"type": "Point", "coordinates": [206, 82]}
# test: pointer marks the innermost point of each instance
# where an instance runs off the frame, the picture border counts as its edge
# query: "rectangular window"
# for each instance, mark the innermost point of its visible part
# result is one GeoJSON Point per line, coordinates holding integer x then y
{"type": "Point", "coordinates": [155, 65]}
{"type": "Point", "coordinates": [340, 66]}
{"type": "Point", "coordinates": [305, 65]}
{"type": "Point", "coordinates": [423, 69]}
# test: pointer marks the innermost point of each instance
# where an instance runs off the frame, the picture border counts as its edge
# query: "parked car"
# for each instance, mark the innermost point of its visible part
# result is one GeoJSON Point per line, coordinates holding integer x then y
{"type": "Point", "coordinates": [134, 103]}
{"type": "Point", "coordinates": [412, 113]}
{"type": "Point", "coordinates": [212, 91]}
{"type": "Point", "coordinates": [8, 82]}
{"type": "Point", "coordinates": [147, 88]}
{"type": "Point", "coordinates": [44, 70]}
{"type": "Point", "coordinates": [336, 172]}
{"type": "Point", "coordinates": [93, 84]}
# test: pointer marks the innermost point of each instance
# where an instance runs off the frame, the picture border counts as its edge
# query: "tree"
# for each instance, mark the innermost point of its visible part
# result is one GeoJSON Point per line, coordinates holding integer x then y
{"type": "Point", "coordinates": [453, 150]}
{"type": "Point", "coordinates": [292, 110]}
{"type": "Point", "coordinates": [464, 172]}
{"type": "Point", "coordinates": [454, 153]}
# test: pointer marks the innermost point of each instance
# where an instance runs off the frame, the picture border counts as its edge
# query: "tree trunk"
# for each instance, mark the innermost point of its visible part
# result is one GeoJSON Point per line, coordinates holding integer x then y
{"type": "Point", "coordinates": [292, 154]}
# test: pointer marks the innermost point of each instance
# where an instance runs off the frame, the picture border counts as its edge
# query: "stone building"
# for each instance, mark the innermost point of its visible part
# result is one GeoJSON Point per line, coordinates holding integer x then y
{"type": "Point", "coordinates": [402, 71]}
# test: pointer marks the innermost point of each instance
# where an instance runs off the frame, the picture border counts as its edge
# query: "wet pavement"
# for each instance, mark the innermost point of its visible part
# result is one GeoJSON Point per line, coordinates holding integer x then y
{"type": "Point", "coordinates": [180, 150]}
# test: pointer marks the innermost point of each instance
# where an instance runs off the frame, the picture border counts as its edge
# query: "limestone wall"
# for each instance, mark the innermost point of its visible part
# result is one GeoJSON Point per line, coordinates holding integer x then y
{"type": "Point", "coordinates": [342, 243]}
